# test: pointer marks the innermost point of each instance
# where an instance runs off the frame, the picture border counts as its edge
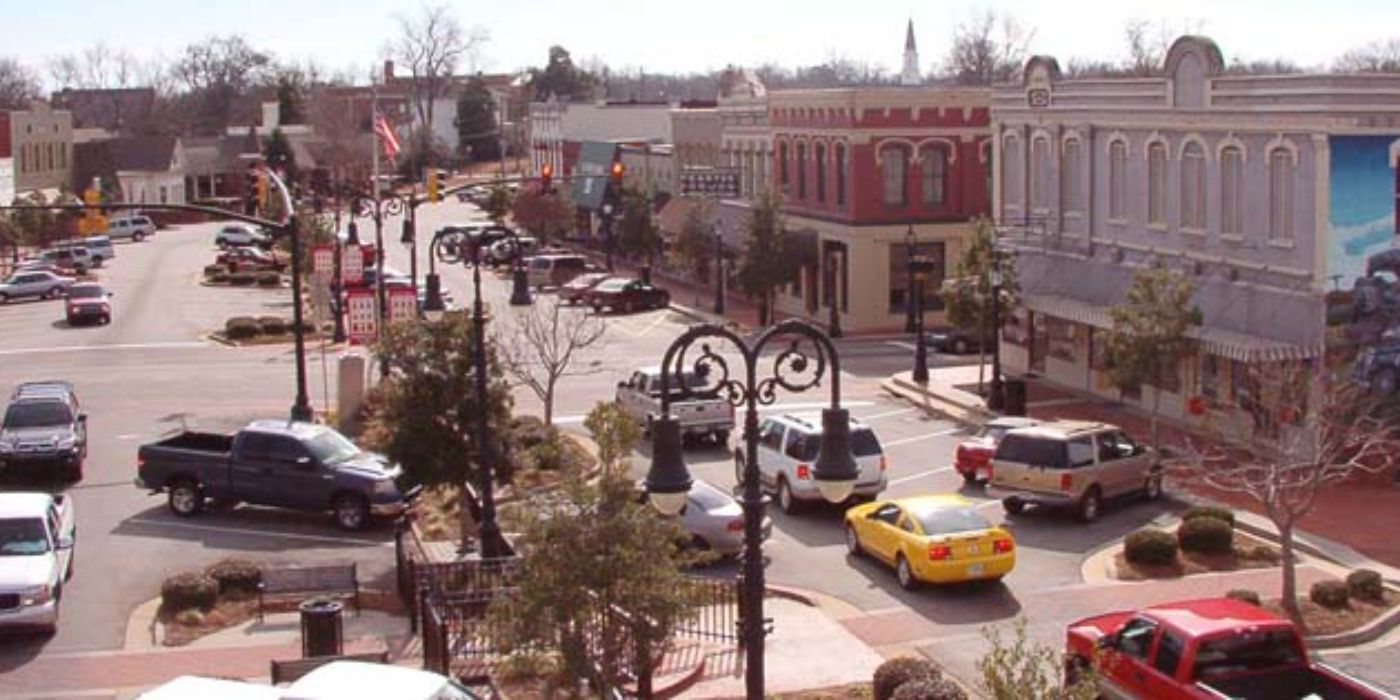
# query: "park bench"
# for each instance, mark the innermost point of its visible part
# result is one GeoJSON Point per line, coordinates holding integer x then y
{"type": "Point", "coordinates": [290, 671]}
{"type": "Point", "coordinates": [301, 582]}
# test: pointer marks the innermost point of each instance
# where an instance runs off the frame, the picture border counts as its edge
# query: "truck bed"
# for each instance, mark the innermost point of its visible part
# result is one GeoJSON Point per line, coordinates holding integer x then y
{"type": "Point", "coordinates": [198, 442]}
{"type": "Point", "coordinates": [1290, 684]}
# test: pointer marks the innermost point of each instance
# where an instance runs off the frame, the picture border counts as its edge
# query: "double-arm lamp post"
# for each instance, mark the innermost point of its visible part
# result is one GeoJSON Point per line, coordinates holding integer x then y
{"type": "Point", "coordinates": [802, 365]}
{"type": "Point", "coordinates": [464, 246]}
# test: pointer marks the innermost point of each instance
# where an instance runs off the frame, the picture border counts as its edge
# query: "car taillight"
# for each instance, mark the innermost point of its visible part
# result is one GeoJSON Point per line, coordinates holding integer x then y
{"type": "Point", "coordinates": [883, 463]}
{"type": "Point", "coordinates": [1002, 546]}
{"type": "Point", "coordinates": [1066, 481]}
{"type": "Point", "coordinates": [939, 552]}
{"type": "Point", "coordinates": [804, 472]}
{"type": "Point", "coordinates": [961, 454]}
{"type": "Point", "coordinates": [735, 525]}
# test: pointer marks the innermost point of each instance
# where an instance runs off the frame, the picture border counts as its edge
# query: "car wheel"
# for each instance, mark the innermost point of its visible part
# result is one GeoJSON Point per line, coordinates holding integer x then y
{"type": "Point", "coordinates": [721, 437]}
{"type": "Point", "coordinates": [960, 346]}
{"type": "Point", "coordinates": [852, 541]}
{"type": "Point", "coordinates": [138, 237]}
{"type": "Point", "coordinates": [106, 320]}
{"type": "Point", "coordinates": [904, 573]}
{"type": "Point", "coordinates": [1090, 504]}
{"type": "Point", "coordinates": [598, 309]}
{"type": "Point", "coordinates": [786, 500]}
{"type": "Point", "coordinates": [186, 499]}
{"type": "Point", "coordinates": [1013, 506]}
{"type": "Point", "coordinates": [1153, 489]}
{"type": "Point", "coordinates": [4, 298]}
{"type": "Point", "coordinates": [351, 512]}
{"type": "Point", "coordinates": [970, 478]}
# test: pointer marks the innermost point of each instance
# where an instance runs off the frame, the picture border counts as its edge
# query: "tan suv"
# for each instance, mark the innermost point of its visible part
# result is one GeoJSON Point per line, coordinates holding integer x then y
{"type": "Point", "coordinates": [1071, 464]}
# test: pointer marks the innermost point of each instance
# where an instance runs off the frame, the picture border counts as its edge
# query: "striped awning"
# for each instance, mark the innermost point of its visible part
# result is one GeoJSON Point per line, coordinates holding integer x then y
{"type": "Point", "coordinates": [1215, 341]}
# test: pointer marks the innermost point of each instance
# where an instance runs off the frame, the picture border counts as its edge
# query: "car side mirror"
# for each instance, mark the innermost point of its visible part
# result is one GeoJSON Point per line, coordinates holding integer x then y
{"type": "Point", "coordinates": [1108, 641]}
{"type": "Point", "coordinates": [82, 417]}
{"type": "Point", "coordinates": [65, 542]}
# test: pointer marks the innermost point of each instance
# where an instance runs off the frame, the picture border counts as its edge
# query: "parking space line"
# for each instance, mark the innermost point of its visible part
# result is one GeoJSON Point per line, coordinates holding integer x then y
{"type": "Point", "coordinates": [901, 344]}
{"type": "Point", "coordinates": [920, 475]}
{"type": "Point", "coordinates": [258, 533]}
{"type": "Point", "coordinates": [888, 414]}
{"type": "Point", "coordinates": [925, 436]}
{"type": "Point", "coordinates": [105, 348]}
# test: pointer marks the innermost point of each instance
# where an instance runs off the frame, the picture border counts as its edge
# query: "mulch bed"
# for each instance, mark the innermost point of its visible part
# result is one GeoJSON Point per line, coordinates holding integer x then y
{"type": "Point", "coordinates": [1318, 620]}
{"type": "Point", "coordinates": [1250, 553]}
{"type": "Point", "coordinates": [234, 610]}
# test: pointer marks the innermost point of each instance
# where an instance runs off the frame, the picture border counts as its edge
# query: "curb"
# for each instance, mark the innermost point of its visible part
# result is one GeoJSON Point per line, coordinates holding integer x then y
{"type": "Point", "coordinates": [933, 401]}
{"type": "Point", "coordinates": [1369, 632]}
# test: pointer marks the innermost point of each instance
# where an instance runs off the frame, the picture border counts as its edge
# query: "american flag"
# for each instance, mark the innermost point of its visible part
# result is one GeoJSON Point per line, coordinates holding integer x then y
{"type": "Point", "coordinates": [387, 140]}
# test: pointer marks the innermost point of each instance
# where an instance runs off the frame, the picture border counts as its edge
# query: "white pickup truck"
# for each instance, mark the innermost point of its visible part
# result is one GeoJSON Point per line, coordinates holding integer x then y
{"type": "Point", "coordinates": [640, 396]}
{"type": "Point", "coordinates": [36, 557]}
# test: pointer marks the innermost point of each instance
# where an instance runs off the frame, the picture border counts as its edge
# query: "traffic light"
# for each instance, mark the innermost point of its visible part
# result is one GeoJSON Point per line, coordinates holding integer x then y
{"type": "Point", "coordinates": [93, 222]}
{"type": "Point", "coordinates": [262, 189]}
{"type": "Point", "coordinates": [437, 183]}
{"type": "Point", "coordinates": [546, 178]}
{"type": "Point", "coordinates": [616, 173]}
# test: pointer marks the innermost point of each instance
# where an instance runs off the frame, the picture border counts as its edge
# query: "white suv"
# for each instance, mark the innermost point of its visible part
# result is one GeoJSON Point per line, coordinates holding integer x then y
{"type": "Point", "coordinates": [788, 446]}
{"type": "Point", "coordinates": [234, 235]}
{"type": "Point", "coordinates": [137, 228]}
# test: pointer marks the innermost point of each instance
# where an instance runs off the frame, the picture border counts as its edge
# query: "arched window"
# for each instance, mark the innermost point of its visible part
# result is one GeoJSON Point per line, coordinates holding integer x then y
{"type": "Point", "coordinates": [801, 171]}
{"type": "Point", "coordinates": [820, 151]}
{"type": "Point", "coordinates": [1011, 173]}
{"type": "Point", "coordinates": [1117, 180]}
{"type": "Point", "coordinates": [783, 164]}
{"type": "Point", "coordinates": [1157, 184]}
{"type": "Point", "coordinates": [1071, 189]}
{"type": "Point", "coordinates": [1281, 195]}
{"type": "Point", "coordinates": [841, 174]}
{"type": "Point", "coordinates": [1040, 174]}
{"type": "Point", "coordinates": [1231, 191]}
{"type": "Point", "coordinates": [894, 163]}
{"type": "Point", "coordinates": [1193, 187]}
{"type": "Point", "coordinates": [934, 178]}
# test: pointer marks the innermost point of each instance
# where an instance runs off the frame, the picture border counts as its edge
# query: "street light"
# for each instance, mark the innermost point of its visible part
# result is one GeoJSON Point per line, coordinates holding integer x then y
{"type": "Point", "coordinates": [921, 267]}
{"type": "Point", "coordinates": [909, 271]}
{"type": "Point", "coordinates": [520, 281]}
{"type": "Point", "coordinates": [796, 368]}
{"type": "Point", "coordinates": [338, 295]}
{"type": "Point", "coordinates": [996, 397]}
{"type": "Point", "coordinates": [608, 234]}
{"type": "Point", "coordinates": [719, 268]}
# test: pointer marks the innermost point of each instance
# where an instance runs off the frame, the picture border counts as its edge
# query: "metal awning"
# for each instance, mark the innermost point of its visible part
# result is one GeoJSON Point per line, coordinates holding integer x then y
{"type": "Point", "coordinates": [1215, 341]}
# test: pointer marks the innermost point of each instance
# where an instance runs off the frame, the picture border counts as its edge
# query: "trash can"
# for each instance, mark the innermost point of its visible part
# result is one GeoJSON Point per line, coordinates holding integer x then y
{"type": "Point", "coordinates": [1015, 392]}
{"type": "Point", "coordinates": [321, 633]}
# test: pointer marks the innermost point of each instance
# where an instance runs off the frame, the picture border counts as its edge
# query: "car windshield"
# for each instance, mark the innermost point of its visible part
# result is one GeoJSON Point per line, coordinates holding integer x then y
{"type": "Point", "coordinates": [22, 537]}
{"type": "Point", "coordinates": [948, 521]}
{"type": "Point", "coordinates": [1247, 651]}
{"type": "Point", "coordinates": [708, 497]}
{"type": "Point", "coordinates": [330, 447]}
{"type": "Point", "coordinates": [85, 292]}
{"type": "Point", "coordinates": [37, 414]}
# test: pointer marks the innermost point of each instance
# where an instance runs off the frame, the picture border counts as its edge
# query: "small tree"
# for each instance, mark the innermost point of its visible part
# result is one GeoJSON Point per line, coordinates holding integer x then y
{"type": "Point", "coordinates": [1020, 669]}
{"type": "Point", "coordinates": [1148, 337]}
{"type": "Point", "coordinates": [616, 433]}
{"type": "Point", "coordinates": [967, 297]}
{"type": "Point", "coordinates": [637, 232]}
{"type": "Point", "coordinates": [694, 248]}
{"type": "Point", "coordinates": [477, 133]}
{"type": "Point", "coordinates": [541, 348]}
{"type": "Point", "coordinates": [1293, 453]}
{"type": "Point", "coordinates": [279, 155]}
{"type": "Point", "coordinates": [498, 204]}
{"type": "Point", "coordinates": [542, 215]}
{"type": "Point", "coordinates": [423, 415]}
{"type": "Point", "coordinates": [768, 261]}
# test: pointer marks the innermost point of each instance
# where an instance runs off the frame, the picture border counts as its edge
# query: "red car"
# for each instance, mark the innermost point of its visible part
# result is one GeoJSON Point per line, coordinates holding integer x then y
{"type": "Point", "coordinates": [1203, 649]}
{"type": "Point", "coordinates": [973, 458]}
{"type": "Point", "coordinates": [249, 258]}
{"type": "Point", "coordinates": [88, 301]}
{"type": "Point", "coordinates": [627, 295]}
{"type": "Point", "coordinates": [576, 290]}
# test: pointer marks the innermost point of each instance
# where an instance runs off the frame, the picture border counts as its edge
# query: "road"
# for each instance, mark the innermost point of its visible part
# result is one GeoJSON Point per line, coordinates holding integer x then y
{"type": "Point", "coordinates": [139, 376]}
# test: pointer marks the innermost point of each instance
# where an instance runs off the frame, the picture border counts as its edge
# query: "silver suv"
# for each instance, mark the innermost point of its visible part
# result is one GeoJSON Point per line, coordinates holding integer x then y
{"type": "Point", "coordinates": [38, 283]}
{"type": "Point", "coordinates": [788, 446]}
{"type": "Point", "coordinates": [1071, 464]}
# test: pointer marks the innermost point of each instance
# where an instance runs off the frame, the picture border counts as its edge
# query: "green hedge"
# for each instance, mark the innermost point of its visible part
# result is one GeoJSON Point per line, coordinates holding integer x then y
{"type": "Point", "coordinates": [273, 325]}
{"type": "Point", "coordinates": [1206, 535]}
{"type": "Point", "coordinates": [235, 576]}
{"type": "Point", "coordinates": [269, 279]}
{"type": "Point", "coordinates": [242, 328]}
{"type": "Point", "coordinates": [1365, 584]}
{"type": "Point", "coordinates": [1329, 594]}
{"type": "Point", "coordinates": [1216, 512]}
{"type": "Point", "coordinates": [1150, 546]}
{"type": "Point", "coordinates": [1245, 595]}
{"type": "Point", "coordinates": [924, 689]}
{"type": "Point", "coordinates": [242, 279]}
{"type": "Point", "coordinates": [892, 674]}
{"type": "Point", "coordinates": [189, 590]}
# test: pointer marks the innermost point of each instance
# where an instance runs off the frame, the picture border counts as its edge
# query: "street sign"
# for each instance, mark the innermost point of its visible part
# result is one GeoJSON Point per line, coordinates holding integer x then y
{"type": "Point", "coordinates": [352, 265]}
{"type": "Point", "coordinates": [323, 261]}
{"type": "Point", "coordinates": [403, 304]}
{"type": "Point", "coordinates": [360, 316]}
{"type": "Point", "coordinates": [711, 182]}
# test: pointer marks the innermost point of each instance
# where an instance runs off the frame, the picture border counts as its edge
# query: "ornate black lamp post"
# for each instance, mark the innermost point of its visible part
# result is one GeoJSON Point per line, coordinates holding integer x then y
{"type": "Point", "coordinates": [453, 246]}
{"type": "Point", "coordinates": [520, 280]}
{"type": "Point", "coordinates": [996, 397]}
{"type": "Point", "coordinates": [909, 271]}
{"type": "Point", "coordinates": [921, 268]}
{"type": "Point", "coordinates": [799, 367]}
{"type": "Point", "coordinates": [719, 268]}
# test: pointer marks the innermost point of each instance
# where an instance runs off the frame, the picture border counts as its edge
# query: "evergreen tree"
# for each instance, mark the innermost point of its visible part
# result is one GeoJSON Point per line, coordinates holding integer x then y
{"type": "Point", "coordinates": [967, 297]}
{"type": "Point", "coordinates": [289, 101]}
{"type": "Point", "coordinates": [637, 232]}
{"type": "Point", "coordinates": [478, 136]}
{"type": "Point", "coordinates": [694, 247]}
{"type": "Point", "coordinates": [1148, 338]}
{"type": "Point", "coordinates": [279, 156]}
{"type": "Point", "coordinates": [561, 79]}
{"type": "Point", "coordinates": [768, 261]}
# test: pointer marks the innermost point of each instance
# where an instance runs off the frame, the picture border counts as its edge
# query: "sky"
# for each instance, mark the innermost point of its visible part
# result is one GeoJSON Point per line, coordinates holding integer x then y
{"type": "Point", "coordinates": [670, 36]}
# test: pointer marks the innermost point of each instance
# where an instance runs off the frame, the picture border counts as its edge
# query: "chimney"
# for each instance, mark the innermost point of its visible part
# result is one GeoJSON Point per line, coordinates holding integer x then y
{"type": "Point", "coordinates": [388, 72]}
{"type": "Point", "coordinates": [271, 115]}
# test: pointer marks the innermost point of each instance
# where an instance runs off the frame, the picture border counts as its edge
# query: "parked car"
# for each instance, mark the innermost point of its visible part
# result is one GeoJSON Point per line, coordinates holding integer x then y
{"type": "Point", "coordinates": [99, 248]}
{"type": "Point", "coordinates": [1212, 648]}
{"type": "Point", "coordinates": [1071, 464]}
{"type": "Point", "coordinates": [75, 258]}
{"type": "Point", "coordinates": [576, 289]}
{"type": "Point", "coordinates": [715, 521]}
{"type": "Point", "coordinates": [958, 341]}
{"type": "Point", "coordinates": [37, 536]}
{"type": "Point", "coordinates": [41, 284]}
{"type": "Point", "coordinates": [788, 447]}
{"type": "Point", "coordinates": [931, 539]}
{"type": "Point", "coordinates": [44, 427]}
{"type": "Point", "coordinates": [302, 466]}
{"type": "Point", "coordinates": [627, 295]}
{"type": "Point", "coordinates": [88, 301]}
{"type": "Point", "coordinates": [136, 227]}
{"type": "Point", "coordinates": [504, 251]}
{"type": "Point", "coordinates": [973, 458]}
{"type": "Point", "coordinates": [249, 258]}
{"type": "Point", "coordinates": [640, 397]}
{"type": "Point", "coordinates": [241, 235]}
{"type": "Point", "coordinates": [555, 269]}
{"type": "Point", "coordinates": [36, 265]}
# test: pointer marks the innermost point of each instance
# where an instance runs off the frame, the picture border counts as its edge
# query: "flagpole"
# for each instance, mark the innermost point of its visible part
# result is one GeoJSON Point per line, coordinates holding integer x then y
{"type": "Point", "coordinates": [382, 314]}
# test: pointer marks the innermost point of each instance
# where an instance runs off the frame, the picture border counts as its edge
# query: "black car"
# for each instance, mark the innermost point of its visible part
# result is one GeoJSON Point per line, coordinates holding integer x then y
{"type": "Point", "coordinates": [44, 427]}
{"type": "Point", "coordinates": [627, 295]}
{"type": "Point", "coordinates": [958, 341]}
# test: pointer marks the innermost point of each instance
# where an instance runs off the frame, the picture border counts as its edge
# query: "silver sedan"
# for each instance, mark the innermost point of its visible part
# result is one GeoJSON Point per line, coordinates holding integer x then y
{"type": "Point", "coordinates": [715, 520]}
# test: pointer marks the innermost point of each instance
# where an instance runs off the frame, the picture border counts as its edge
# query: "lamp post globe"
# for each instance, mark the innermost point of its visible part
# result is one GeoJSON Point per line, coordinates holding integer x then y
{"type": "Point", "coordinates": [836, 470]}
{"type": "Point", "coordinates": [433, 307]}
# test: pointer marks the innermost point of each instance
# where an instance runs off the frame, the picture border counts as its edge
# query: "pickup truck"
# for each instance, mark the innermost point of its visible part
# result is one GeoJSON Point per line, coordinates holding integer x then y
{"type": "Point", "coordinates": [36, 557]}
{"type": "Point", "coordinates": [640, 397]}
{"type": "Point", "coordinates": [302, 466]}
{"type": "Point", "coordinates": [1206, 649]}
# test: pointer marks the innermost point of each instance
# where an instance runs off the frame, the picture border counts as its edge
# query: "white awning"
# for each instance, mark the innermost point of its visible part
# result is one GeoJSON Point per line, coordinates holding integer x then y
{"type": "Point", "coordinates": [1069, 309]}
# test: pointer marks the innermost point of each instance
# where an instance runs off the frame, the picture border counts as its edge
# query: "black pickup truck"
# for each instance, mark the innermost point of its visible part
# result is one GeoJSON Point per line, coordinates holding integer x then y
{"type": "Point", "coordinates": [302, 466]}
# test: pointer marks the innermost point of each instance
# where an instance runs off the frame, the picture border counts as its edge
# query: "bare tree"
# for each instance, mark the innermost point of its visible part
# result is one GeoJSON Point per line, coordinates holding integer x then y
{"type": "Point", "coordinates": [98, 67]}
{"type": "Point", "coordinates": [1376, 57]}
{"type": "Point", "coordinates": [431, 45]}
{"type": "Point", "coordinates": [218, 73]}
{"type": "Point", "coordinates": [988, 48]}
{"type": "Point", "coordinates": [17, 85]}
{"type": "Point", "coordinates": [1148, 42]}
{"type": "Point", "coordinates": [1292, 454]}
{"type": "Point", "coordinates": [541, 347]}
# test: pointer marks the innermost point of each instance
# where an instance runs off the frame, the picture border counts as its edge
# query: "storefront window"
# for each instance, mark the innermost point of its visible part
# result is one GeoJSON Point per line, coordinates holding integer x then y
{"type": "Point", "coordinates": [1210, 376]}
{"type": "Point", "coordinates": [899, 275]}
{"type": "Point", "coordinates": [1063, 338]}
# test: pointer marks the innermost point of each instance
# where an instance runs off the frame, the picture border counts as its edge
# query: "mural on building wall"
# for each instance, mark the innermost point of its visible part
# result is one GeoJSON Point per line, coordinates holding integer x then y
{"type": "Point", "coordinates": [1363, 261]}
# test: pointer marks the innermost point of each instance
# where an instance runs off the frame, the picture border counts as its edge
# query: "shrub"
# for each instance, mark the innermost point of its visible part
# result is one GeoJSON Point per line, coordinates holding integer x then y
{"type": "Point", "coordinates": [1210, 512]}
{"type": "Point", "coordinates": [1365, 584]}
{"type": "Point", "coordinates": [241, 328]}
{"type": "Point", "coordinates": [1150, 546]}
{"type": "Point", "coordinates": [1329, 594]}
{"type": "Point", "coordinates": [935, 689]}
{"type": "Point", "coordinates": [219, 278]}
{"type": "Point", "coordinates": [242, 279]}
{"type": "Point", "coordinates": [273, 325]}
{"type": "Point", "coordinates": [235, 576]}
{"type": "Point", "coordinates": [189, 590]}
{"type": "Point", "coordinates": [892, 674]}
{"type": "Point", "coordinates": [212, 270]}
{"type": "Point", "coordinates": [1206, 535]}
{"type": "Point", "coordinates": [269, 279]}
{"type": "Point", "coordinates": [189, 618]}
{"type": "Point", "coordinates": [1245, 595]}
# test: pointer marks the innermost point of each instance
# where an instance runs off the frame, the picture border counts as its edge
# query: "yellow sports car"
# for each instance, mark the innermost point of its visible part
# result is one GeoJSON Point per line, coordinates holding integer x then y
{"type": "Point", "coordinates": [938, 539]}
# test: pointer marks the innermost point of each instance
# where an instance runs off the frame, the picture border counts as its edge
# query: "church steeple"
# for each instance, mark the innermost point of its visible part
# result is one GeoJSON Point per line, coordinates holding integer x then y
{"type": "Point", "coordinates": [910, 74]}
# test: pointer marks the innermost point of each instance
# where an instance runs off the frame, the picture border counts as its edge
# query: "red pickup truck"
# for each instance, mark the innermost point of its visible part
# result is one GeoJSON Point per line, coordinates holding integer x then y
{"type": "Point", "coordinates": [1207, 649]}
